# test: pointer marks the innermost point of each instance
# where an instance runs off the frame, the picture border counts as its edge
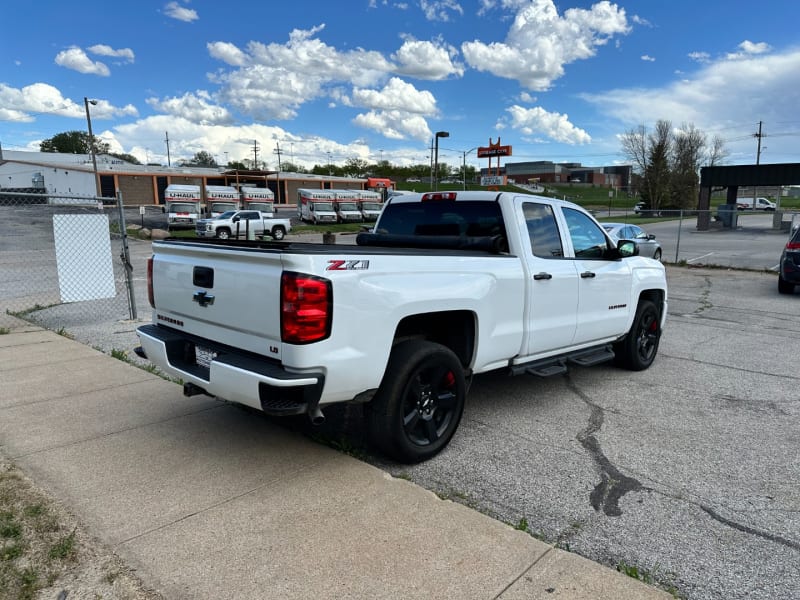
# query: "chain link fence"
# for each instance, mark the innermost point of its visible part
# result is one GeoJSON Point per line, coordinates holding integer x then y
{"type": "Point", "coordinates": [64, 259]}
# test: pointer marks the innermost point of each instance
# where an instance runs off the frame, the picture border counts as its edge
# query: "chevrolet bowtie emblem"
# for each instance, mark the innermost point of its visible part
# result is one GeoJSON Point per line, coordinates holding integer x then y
{"type": "Point", "coordinates": [203, 298]}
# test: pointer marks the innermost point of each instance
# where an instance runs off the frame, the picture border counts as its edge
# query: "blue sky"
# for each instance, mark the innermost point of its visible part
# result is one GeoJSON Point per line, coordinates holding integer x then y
{"type": "Point", "coordinates": [375, 79]}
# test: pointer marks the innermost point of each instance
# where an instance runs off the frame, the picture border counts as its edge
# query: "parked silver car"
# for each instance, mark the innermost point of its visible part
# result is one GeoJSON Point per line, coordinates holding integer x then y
{"type": "Point", "coordinates": [648, 246]}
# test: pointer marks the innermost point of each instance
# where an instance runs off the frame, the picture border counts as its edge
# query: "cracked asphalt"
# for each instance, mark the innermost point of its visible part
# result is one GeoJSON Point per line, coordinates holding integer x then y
{"type": "Point", "coordinates": [689, 471]}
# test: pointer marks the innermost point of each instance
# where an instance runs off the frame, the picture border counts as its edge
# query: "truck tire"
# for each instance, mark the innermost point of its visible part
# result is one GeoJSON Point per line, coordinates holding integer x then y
{"type": "Point", "coordinates": [419, 403]}
{"type": "Point", "coordinates": [223, 233]}
{"type": "Point", "coordinates": [639, 348]}
{"type": "Point", "coordinates": [278, 233]}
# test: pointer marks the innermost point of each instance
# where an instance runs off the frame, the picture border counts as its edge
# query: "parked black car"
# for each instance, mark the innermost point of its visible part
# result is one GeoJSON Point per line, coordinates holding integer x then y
{"type": "Point", "coordinates": [789, 267]}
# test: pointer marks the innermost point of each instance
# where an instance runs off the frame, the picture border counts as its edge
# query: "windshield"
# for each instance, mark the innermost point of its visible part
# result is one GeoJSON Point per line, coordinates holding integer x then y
{"type": "Point", "coordinates": [262, 206]}
{"type": "Point", "coordinates": [228, 214]}
{"type": "Point", "coordinates": [323, 206]}
{"type": "Point", "coordinates": [370, 206]}
{"type": "Point", "coordinates": [182, 207]}
{"type": "Point", "coordinates": [347, 206]}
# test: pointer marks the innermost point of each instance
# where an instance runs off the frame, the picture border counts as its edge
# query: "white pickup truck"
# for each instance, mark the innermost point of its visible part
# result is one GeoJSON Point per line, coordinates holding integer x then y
{"type": "Point", "coordinates": [448, 285]}
{"type": "Point", "coordinates": [242, 224]}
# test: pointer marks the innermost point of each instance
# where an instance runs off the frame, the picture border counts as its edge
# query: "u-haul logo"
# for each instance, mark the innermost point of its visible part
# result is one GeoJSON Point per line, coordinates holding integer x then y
{"type": "Point", "coordinates": [347, 265]}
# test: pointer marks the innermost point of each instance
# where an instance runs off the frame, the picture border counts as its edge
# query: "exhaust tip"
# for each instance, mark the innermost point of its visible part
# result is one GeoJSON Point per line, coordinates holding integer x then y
{"type": "Point", "coordinates": [316, 416]}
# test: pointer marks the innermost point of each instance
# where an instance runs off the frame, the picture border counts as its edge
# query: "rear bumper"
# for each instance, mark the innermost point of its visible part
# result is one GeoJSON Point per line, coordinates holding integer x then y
{"type": "Point", "coordinates": [231, 374]}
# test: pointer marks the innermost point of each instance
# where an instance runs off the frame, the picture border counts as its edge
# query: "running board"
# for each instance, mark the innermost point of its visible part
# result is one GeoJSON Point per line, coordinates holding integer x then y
{"type": "Point", "coordinates": [557, 365]}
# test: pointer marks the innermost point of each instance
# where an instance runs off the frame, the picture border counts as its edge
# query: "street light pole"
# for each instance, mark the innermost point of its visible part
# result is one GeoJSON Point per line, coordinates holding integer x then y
{"type": "Point", "coordinates": [86, 103]}
{"type": "Point", "coordinates": [464, 167]}
{"type": "Point", "coordinates": [436, 159]}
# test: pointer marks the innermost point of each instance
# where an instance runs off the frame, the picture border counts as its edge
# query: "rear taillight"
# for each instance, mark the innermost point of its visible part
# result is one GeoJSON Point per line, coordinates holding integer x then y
{"type": "Point", "coordinates": [306, 308]}
{"type": "Point", "coordinates": [793, 246]}
{"type": "Point", "coordinates": [150, 295]}
{"type": "Point", "coordinates": [438, 196]}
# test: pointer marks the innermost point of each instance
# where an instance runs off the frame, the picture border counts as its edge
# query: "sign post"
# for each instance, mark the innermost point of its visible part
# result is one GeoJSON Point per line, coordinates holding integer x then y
{"type": "Point", "coordinates": [493, 151]}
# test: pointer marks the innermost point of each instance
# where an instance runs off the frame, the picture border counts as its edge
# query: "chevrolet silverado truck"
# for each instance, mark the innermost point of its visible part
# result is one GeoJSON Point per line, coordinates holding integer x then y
{"type": "Point", "coordinates": [242, 223]}
{"type": "Point", "coordinates": [446, 286]}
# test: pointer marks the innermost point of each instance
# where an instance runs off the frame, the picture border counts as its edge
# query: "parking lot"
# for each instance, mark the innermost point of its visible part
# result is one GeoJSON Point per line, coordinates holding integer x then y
{"type": "Point", "coordinates": [687, 472]}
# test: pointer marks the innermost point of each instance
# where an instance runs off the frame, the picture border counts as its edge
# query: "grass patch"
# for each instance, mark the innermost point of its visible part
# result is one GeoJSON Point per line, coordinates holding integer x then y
{"type": "Point", "coordinates": [654, 577]}
{"type": "Point", "coordinates": [64, 549]}
{"type": "Point", "coordinates": [4, 331]}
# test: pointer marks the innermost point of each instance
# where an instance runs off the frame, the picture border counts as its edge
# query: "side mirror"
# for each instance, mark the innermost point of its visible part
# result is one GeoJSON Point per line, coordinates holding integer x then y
{"type": "Point", "coordinates": [236, 219]}
{"type": "Point", "coordinates": [627, 248]}
{"type": "Point", "coordinates": [651, 236]}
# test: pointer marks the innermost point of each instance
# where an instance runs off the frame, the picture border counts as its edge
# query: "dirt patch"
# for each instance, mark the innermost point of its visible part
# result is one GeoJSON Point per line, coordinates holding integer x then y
{"type": "Point", "coordinates": [45, 552]}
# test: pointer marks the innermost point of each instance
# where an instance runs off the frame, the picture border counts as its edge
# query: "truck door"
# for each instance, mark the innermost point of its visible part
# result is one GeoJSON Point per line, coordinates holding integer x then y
{"type": "Point", "coordinates": [552, 287]}
{"type": "Point", "coordinates": [604, 282]}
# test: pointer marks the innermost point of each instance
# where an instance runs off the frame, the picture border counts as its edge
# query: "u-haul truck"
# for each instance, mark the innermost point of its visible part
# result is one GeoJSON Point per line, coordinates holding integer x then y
{"type": "Point", "coordinates": [221, 198]}
{"type": "Point", "coordinates": [371, 204]}
{"type": "Point", "coordinates": [316, 206]}
{"type": "Point", "coordinates": [182, 205]}
{"type": "Point", "coordinates": [346, 206]}
{"type": "Point", "coordinates": [255, 198]}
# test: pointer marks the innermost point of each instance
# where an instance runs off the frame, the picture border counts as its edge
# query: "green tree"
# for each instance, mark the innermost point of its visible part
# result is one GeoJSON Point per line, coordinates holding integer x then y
{"type": "Point", "coordinates": [74, 142]}
{"type": "Point", "coordinates": [356, 167]}
{"type": "Point", "coordinates": [666, 162]}
{"type": "Point", "coordinates": [201, 159]}
{"type": "Point", "coordinates": [126, 157]}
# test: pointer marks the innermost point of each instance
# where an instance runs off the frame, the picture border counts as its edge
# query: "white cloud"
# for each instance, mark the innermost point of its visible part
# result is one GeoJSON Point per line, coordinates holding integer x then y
{"type": "Point", "coordinates": [395, 124]}
{"type": "Point", "coordinates": [647, 58]}
{"type": "Point", "coordinates": [641, 21]}
{"type": "Point", "coordinates": [722, 96]}
{"type": "Point", "coordinates": [539, 123]}
{"type": "Point", "coordinates": [440, 10]}
{"type": "Point", "coordinates": [526, 97]}
{"type": "Point", "coordinates": [104, 50]}
{"type": "Point", "coordinates": [748, 48]}
{"type": "Point", "coordinates": [76, 59]}
{"type": "Point", "coordinates": [427, 60]}
{"type": "Point", "coordinates": [227, 53]}
{"type": "Point", "coordinates": [397, 111]}
{"type": "Point", "coordinates": [196, 107]}
{"type": "Point", "coordinates": [181, 13]}
{"type": "Point", "coordinates": [308, 69]}
{"type": "Point", "coordinates": [701, 57]}
{"type": "Point", "coordinates": [540, 42]}
{"type": "Point", "coordinates": [38, 98]}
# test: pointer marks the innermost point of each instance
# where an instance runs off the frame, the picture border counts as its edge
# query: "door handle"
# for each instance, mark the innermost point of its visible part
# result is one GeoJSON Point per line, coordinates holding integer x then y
{"type": "Point", "coordinates": [587, 275]}
{"type": "Point", "coordinates": [540, 276]}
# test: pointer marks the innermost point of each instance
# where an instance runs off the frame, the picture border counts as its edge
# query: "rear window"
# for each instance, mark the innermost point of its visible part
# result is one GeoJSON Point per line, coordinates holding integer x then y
{"type": "Point", "coordinates": [442, 217]}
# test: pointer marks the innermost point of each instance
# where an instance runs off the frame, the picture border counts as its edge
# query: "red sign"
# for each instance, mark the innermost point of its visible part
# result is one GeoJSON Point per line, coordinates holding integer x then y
{"type": "Point", "coordinates": [494, 151]}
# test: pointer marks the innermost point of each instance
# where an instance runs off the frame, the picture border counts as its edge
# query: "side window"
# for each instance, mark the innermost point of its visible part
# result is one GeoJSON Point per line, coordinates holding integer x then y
{"type": "Point", "coordinates": [588, 240]}
{"type": "Point", "coordinates": [542, 230]}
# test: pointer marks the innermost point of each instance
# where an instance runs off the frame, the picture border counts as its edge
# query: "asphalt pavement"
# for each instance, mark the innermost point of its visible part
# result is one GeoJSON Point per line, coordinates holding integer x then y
{"type": "Point", "coordinates": [207, 500]}
{"type": "Point", "coordinates": [687, 473]}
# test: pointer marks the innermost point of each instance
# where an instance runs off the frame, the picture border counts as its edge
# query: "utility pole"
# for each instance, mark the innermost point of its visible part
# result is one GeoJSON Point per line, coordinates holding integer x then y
{"type": "Point", "coordinates": [758, 136]}
{"type": "Point", "coordinates": [278, 174]}
{"type": "Point", "coordinates": [169, 164]}
{"type": "Point", "coordinates": [255, 154]}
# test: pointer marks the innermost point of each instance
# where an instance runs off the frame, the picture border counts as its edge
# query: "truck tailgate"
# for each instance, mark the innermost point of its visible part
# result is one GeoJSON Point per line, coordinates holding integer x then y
{"type": "Point", "coordinates": [230, 295]}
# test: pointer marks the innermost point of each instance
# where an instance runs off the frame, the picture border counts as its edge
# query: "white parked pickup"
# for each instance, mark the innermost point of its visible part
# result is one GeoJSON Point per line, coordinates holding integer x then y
{"type": "Point", "coordinates": [446, 286]}
{"type": "Point", "coordinates": [242, 224]}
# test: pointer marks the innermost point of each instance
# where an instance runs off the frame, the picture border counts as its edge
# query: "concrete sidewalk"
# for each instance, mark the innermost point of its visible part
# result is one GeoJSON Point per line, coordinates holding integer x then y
{"type": "Point", "coordinates": [207, 500]}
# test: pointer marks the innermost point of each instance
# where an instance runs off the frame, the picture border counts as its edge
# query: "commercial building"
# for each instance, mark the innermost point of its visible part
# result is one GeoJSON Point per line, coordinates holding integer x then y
{"type": "Point", "coordinates": [72, 174]}
{"type": "Point", "coordinates": [545, 171]}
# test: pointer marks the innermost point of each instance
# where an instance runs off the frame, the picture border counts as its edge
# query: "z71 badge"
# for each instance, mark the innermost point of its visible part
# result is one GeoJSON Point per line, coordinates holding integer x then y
{"type": "Point", "coordinates": [347, 265]}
